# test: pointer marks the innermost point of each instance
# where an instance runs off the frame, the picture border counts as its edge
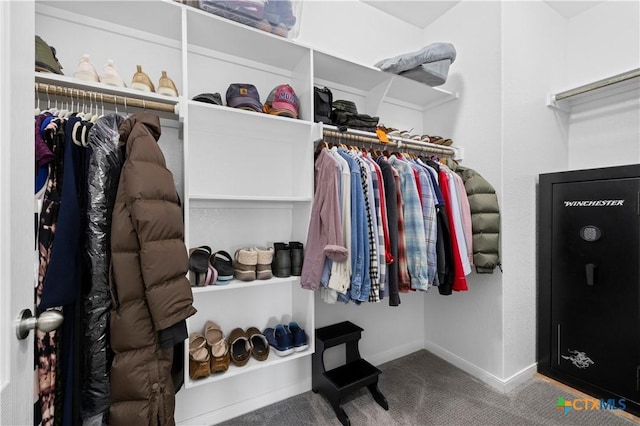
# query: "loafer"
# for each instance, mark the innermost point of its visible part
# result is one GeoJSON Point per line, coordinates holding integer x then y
{"type": "Point", "coordinates": [240, 347]}
{"type": "Point", "coordinates": [259, 344]}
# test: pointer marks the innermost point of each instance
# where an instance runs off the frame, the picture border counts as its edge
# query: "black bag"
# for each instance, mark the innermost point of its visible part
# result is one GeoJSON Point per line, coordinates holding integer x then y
{"type": "Point", "coordinates": [322, 105]}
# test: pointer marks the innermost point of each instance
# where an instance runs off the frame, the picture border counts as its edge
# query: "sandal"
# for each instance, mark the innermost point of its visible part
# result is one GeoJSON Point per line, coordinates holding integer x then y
{"type": "Point", "coordinates": [259, 344]}
{"type": "Point", "coordinates": [222, 262]}
{"type": "Point", "coordinates": [198, 356]}
{"type": "Point", "coordinates": [240, 347]}
{"type": "Point", "coordinates": [219, 347]}
{"type": "Point", "coordinates": [199, 264]}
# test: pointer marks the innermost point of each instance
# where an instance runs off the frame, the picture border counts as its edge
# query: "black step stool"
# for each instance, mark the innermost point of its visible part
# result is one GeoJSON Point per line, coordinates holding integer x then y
{"type": "Point", "coordinates": [341, 381]}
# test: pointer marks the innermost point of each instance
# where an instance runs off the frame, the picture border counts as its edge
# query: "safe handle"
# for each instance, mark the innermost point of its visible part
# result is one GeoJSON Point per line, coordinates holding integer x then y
{"type": "Point", "coordinates": [590, 269]}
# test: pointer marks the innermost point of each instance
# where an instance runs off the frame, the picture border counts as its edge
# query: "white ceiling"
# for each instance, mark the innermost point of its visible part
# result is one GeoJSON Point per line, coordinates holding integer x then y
{"type": "Point", "coordinates": [569, 9]}
{"type": "Point", "coordinates": [417, 13]}
{"type": "Point", "coordinates": [421, 13]}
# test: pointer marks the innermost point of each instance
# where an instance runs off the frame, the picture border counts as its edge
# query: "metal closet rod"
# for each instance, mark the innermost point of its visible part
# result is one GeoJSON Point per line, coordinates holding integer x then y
{"type": "Point", "coordinates": [400, 144]}
{"type": "Point", "coordinates": [54, 90]}
{"type": "Point", "coordinates": [598, 84]}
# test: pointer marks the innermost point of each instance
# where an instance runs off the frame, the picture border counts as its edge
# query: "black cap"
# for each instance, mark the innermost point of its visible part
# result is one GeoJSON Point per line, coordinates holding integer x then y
{"type": "Point", "coordinates": [210, 98]}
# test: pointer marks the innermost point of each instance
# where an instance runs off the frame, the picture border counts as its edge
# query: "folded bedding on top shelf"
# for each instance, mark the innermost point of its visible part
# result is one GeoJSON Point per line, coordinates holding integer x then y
{"type": "Point", "coordinates": [428, 65]}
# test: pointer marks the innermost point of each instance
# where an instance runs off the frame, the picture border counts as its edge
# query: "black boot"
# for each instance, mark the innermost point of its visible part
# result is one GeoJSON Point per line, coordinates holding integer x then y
{"type": "Point", "coordinates": [297, 256]}
{"type": "Point", "coordinates": [281, 264]}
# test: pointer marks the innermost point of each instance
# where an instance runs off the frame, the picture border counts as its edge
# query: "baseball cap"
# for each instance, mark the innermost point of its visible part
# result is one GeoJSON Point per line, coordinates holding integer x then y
{"type": "Point", "coordinates": [244, 96]}
{"type": "Point", "coordinates": [210, 98]}
{"type": "Point", "coordinates": [282, 101]}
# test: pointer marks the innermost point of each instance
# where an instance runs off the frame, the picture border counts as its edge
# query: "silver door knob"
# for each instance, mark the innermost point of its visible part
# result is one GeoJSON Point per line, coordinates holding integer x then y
{"type": "Point", "coordinates": [47, 321]}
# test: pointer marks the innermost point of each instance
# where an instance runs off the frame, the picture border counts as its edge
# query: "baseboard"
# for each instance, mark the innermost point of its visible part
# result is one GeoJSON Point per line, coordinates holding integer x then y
{"type": "Point", "coordinates": [495, 382]}
{"type": "Point", "coordinates": [394, 352]}
{"type": "Point", "coordinates": [248, 405]}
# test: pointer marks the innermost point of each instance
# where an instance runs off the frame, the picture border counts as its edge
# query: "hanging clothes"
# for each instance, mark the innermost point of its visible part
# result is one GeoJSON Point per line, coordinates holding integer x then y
{"type": "Point", "coordinates": [105, 163]}
{"type": "Point", "coordinates": [150, 292]}
{"type": "Point", "coordinates": [324, 236]}
{"type": "Point", "coordinates": [485, 218]}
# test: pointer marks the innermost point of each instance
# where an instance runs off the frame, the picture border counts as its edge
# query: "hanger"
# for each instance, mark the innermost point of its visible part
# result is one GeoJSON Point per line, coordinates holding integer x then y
{"type": "Point", "coordinates": [37, 109]}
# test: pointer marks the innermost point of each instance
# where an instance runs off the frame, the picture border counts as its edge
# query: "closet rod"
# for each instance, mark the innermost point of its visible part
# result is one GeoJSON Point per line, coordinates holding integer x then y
{"type": "Point", "coordinates": [598, 84]}
{"type": "Point", "coordinates": [399, 143]}
{"type": "Point", "coordinates": [92, 95]}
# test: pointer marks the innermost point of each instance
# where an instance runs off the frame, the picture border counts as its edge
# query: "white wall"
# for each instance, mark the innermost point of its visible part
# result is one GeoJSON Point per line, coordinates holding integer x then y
{"type": "Point", "coordinates": [355, 31]}
{"type": "Point", "coordinates": [466, 328]}
{"type": "Point", "coordinates": [533, 141]}
{"type": "Point", "coordinates": [363, 34]}
{"type": "Point", "coordinates": [604, 132]}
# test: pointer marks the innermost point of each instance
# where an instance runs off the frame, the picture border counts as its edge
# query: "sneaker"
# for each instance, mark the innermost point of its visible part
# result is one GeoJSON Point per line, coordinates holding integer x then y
{"type": "Point", "coordinates": [141, 81]}
{"type": "Point", "coordinates": [86, 71]}
{"type": "Point", "coordinates": [46, 60]}
{"type": "Point", "coordinates": [111, 76]}
{"type": "Point", "coordinates": [166, 86]}
{"type": "Point", "coordinates": [300, 341]}
{"type": "Point", "coordinates": [279, 339]}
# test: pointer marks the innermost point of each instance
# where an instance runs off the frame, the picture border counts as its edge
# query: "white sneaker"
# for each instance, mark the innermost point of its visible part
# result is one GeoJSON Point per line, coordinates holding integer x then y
{"type": "Point", "coordinates": [85, 70]}
{"type": "Point", "coordinates": [111, 76]}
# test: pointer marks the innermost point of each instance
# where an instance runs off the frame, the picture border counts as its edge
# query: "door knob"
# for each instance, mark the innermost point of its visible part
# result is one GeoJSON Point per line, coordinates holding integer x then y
{"type": "Point", "coordinates": [47, 321]}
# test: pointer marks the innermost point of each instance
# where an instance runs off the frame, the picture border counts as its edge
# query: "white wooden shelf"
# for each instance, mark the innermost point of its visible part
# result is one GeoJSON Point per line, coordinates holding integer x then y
{"type": "Point", "coordinates": [124, 92]}
{"type": "Point", "coordinates": [252, 365]}
{"type": "Point", "coordinates": [236, 284]}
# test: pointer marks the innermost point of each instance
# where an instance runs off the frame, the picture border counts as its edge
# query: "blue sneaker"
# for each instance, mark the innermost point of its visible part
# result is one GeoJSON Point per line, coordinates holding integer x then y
{"type": "Point", "coordinates": [300, 342]}
{"type": "Point", "coordinates": [280, 340]}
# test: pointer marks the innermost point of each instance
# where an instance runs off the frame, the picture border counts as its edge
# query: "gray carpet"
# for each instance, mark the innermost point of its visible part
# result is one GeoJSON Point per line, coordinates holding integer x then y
{"type": "Point", "coordinates": [423, 389]}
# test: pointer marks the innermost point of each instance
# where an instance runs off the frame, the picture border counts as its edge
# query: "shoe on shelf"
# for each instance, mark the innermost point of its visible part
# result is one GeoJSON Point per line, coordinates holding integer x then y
{"type": "Point", "coordinates": [199, 272]}
{"type": "Point", "coordinates": [166, 86]}
{"type": "Point", "coordinates": [300, 341]}
{"type": "Point", "coordinates": [280, 340]}
{"type": "Point", "coordinates": [141, 81]}
{"type": "Point", "coordinates": [281, 264]}
{"type": "Point", "coordinates": [297, 257]}
{"type": "Point", "coordinates": [85, 70]}
{"type": "Point", "coordinates": [263, 268]}
{"type": "Point", "coordinates": [111, 76]}
{"type": "Point", "coordinates": [198, 356]}
{"type": "Point", "coordinates": [222, 262]}
{"type": "Point", "coordinates": [220, 358]}
{"type": "Point", "coordinates": [259, 344]}
{"type": "Point", "coordinates": [240, 347]}
{"type": "Point", "coordinates": [244, 264]}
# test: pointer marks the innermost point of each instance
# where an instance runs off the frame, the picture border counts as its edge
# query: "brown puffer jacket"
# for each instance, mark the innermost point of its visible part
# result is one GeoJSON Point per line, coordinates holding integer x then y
{"type": "Point", "coordinates": [149, 287]}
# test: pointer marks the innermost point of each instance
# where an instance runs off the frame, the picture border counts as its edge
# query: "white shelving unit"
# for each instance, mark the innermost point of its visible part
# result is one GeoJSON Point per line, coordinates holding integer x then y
{"type": "Point", "coordinates": [246, 177]}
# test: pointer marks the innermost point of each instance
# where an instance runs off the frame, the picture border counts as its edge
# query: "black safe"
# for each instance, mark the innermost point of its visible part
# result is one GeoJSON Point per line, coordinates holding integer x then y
{"type": "Point", "coordinates": [589, 281]}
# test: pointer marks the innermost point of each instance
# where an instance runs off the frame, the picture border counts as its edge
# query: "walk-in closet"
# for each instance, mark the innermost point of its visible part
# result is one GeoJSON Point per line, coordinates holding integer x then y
{"type": "Point", "coordinates": [224, 98]}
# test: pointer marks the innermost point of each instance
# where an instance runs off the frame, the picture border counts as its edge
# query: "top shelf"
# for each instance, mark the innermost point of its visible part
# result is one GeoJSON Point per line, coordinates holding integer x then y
{"type": "Point", "coordinates": [626, 82]}
{"type": "Point", "coordinates": [332, 70]}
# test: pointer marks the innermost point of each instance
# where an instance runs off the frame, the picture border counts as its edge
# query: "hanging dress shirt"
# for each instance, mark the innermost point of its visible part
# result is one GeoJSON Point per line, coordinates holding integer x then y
{"type": "Point", "coordinates": [416, 250]}
{"type": "Point", "coordinates": [324, 237]}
